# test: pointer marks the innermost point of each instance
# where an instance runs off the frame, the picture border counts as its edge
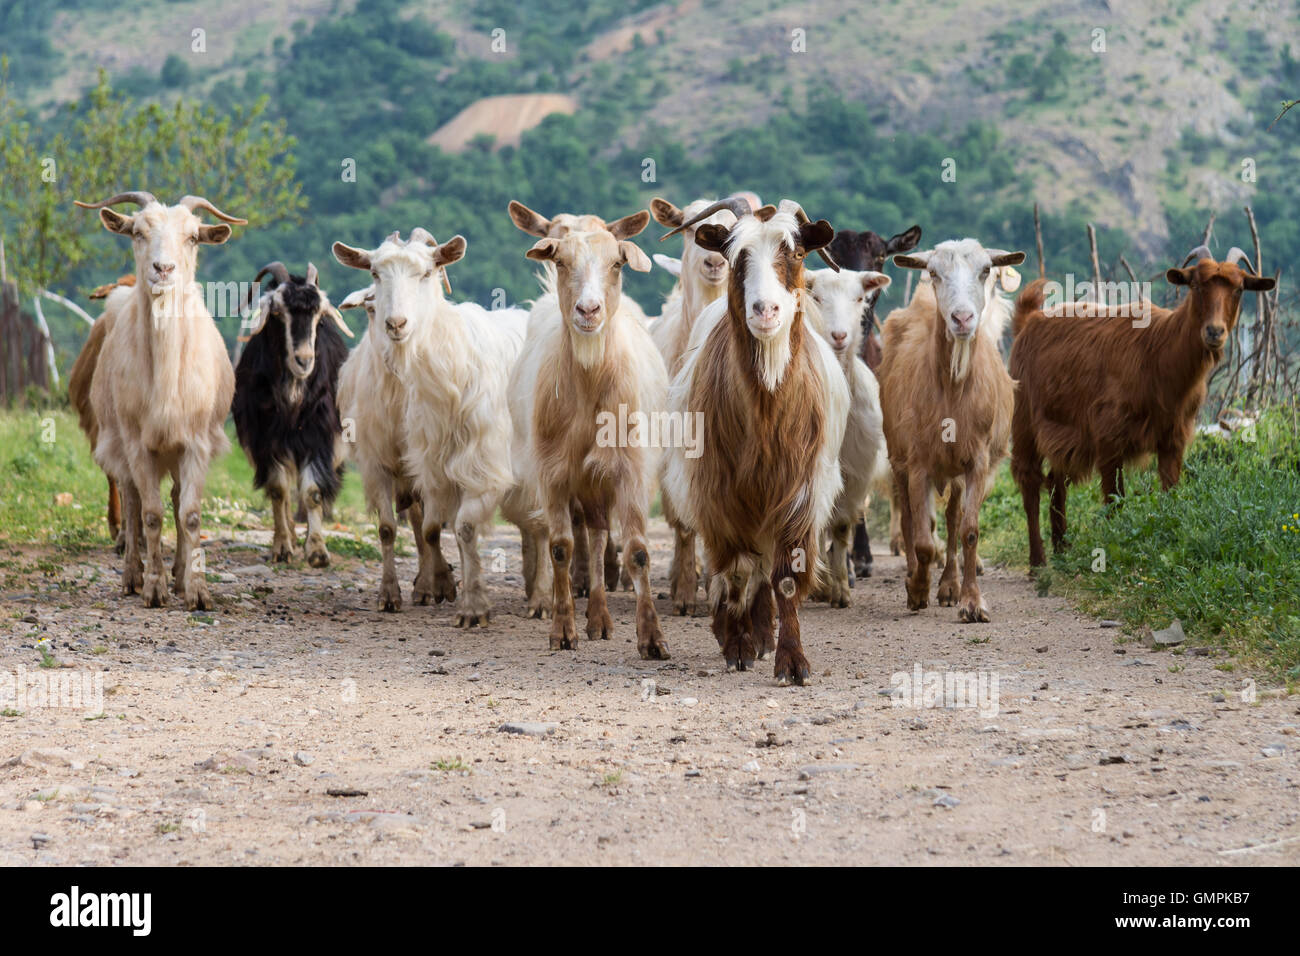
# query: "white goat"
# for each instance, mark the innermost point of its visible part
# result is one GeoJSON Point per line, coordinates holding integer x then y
{"type": "Point", "coordinates": [455, 361]}
{"type": "Point", "coordinates": [161, 389]}
{"type": "Point", "coordinates": [840, 299]}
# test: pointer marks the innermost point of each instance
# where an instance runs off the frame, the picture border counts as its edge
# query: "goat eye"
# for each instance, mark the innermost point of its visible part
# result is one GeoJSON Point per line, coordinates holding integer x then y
{"type": "Point", "coordinates": [374, 275]}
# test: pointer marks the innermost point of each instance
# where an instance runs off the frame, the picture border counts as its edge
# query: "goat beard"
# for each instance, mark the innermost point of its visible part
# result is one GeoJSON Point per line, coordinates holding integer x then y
{"type": "Point", "coordinates": [165, 305]}
{"type": "Point", "coordinates": [959, 365]}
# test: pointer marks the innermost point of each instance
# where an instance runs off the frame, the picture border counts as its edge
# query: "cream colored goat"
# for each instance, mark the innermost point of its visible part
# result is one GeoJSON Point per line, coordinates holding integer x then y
{"type": "Point", "coordinates": [161, 389]}
{"type": "Point", "coordinates": [454, 360]}
{"type": "Point", "coordinates": [840, 298]}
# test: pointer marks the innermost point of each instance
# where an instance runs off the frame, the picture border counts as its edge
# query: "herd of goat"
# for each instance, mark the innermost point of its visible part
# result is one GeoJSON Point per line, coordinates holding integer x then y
{"type": "Point", "coordinates": [806, 404]}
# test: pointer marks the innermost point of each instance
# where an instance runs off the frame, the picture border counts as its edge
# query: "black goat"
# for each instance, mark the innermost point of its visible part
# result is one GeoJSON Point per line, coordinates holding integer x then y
{"type": "Point", "coordinates": [284, 407]}
{"type": "Point", "coordinates": [867, 251]}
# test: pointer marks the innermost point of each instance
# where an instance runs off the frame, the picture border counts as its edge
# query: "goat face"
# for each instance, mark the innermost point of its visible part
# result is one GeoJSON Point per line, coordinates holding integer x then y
{"type": "Point", "coordinates": [766, 253]}
{"type": "Point", "coordinates": [960, 272]}
{"type": "Point", "coordinates": [164, 241]}
{"type": "Point", "coordinates": [406, 278]}
{"type": "Point", "coordinates": [697, 264]}
{"type": "Point", "coordinates": [589, 282]}
{"type": "Point", "coordinates": [535, 224]}
{"type": "Point", "coordinates": [840, 297]}
{"type": "Point", "coordinates": [1217, 288]}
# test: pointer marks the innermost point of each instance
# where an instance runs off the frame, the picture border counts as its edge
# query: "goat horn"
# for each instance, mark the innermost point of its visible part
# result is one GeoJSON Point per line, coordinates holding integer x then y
{"type": "Point", "coordinates": [141, 198]}
{"type": "Point", "coordinates": [420, 234]}
{"type": "Point", "coordinates": [802, 218]}
{"type": "Point", "coordinates": [1200, 252]}
{"type": "Point", "coordinates": [277, 271]}
{"type": "Point", "coordinates": [1236, 254]}
{"type": "Point", "coordinates": [394, 236]}
{"type": "Point", "coordinates": [738, 206]}
{"type": "Point", "coordinates": [337, 316]}
{"type": "Point", "coordinates": [198, 202]}
{"type": "Point", "coordinates": [311, 273]}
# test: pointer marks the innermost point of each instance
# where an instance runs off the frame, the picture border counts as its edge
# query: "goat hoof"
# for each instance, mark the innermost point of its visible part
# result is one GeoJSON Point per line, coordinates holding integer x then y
{"type": "Point", "coordinates": [917, 603]}
{"type": "Point", "coordinates": [564, 636]}
{"type": "Point", "coordinates": [979, 565]}
{"type": "Point", "coordinates": [538, 610]}
{"type": "Point", "coordinates": [198, 598]}
{"type": "Point", "coordinates": [420, 597]}
{"type": "Point", "coordinates": [390, 597]}
{"type": "Point", "coordinates": [862, 569]}
{"type": "Point", "coordinates": [319, 559]}
{"type": "Point", "coordinates": [154, 591]}
{"type": "Point", "coordinates": [947, 594]}
{"type": "Point", "coordinates": [624, 580]}
{"type": "Point", "coordinates": [654, 649]}
{"type": "Point", "coordinates": [684, 607]}
{"type": "Point", "coordinates": [972, 613]}
{"type": "Point", "coordinates": [444, 588]}
{"type": "Point", "coordinates": [791, 668]}
{"type": "Point", "coordinates": [468, 619]}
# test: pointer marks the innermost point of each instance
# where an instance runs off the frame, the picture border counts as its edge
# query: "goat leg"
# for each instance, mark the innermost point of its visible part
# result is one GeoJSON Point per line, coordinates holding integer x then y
{"type": "Point", "coordinates": [559, 519]}
{"type": "Point", "coordinates": [147, 480]}
{"type": "Point", "coordinates": [862, 559]}
{"type": "Point", "coordinates": [318, 555]}
{"type": "Point", "coordinates": [948, 588]}
{"type": "Point", "coordinates": [791, 666]}
{"type": "Point", "coordinates": [132, 566]}
{"type": "Point", "coordinates": [650, 643]}
{"type": "Point", "coordinates": [115, 517]}
{"type": "Point", "coordinates": [580, 569]}
{"type": "Point", "coordinates": [182, 546]}
{"type": "Point", "coordinates": [390, 593]}
{"type": "Point", "coordinates": [1057, 481]}
{"type": "Point", "coordinates": [422, 586]}
{"type": "Point", "coordinates": [841, 536]}
{"type": "Point", "coordinates": [473, 609]}
{"type": "Point", "coordinates": [972, 607]}
{"type": "Point", "coordinates": [600, 626]}
{"type": "Point", "coordinates": [193, 468]}
{"type": "Point", "coordinates": [277, 490]}
{"type": "Point", "coordinates": [918, 538]}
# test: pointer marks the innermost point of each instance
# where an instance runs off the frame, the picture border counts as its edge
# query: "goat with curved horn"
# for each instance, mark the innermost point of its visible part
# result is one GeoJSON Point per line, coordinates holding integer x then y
{"type": "Point", "coordinates": [802, 218]}
{"type": "Point", "coordinates": [193, 203]}
{"type": "Point", "coordinates": [1197, 254]}
{"type": "Point", "coordinates": [140, 197]}
{"type": "Point", "coordinates": [1236, 254]}
{"type": "Point", "coordinates": [737, 205]}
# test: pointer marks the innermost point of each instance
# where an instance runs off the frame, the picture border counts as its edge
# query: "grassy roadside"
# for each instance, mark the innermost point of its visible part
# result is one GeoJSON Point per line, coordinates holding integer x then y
{"type": "Point", "coordinates": [54, 495]}
{"type": "Point", "coordinates": [1220, 552]}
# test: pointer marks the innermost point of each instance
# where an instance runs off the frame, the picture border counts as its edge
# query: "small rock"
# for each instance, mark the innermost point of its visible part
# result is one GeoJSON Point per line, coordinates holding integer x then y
{"type": "Point", "coordinates": [688, 701]}
{"type": "Point", "coordinates": [1171, 635]}
{"type": "Point", "coordinates": [1273, 750]}
{"type": "Point", "coordinates": [817, 769]}
{"type": "Point", "coordinates": [303, 759]}
{"type": "Point", "coordinates": [750, 767]}
{"type": "Point", "coordinates": [530, 728]}
{"type": "Point", "coordinates": [1110, 623]}
{"type": "Point", "coordinates": [947, 801]}
{"type": "Point", "coordinates": [39, 840]}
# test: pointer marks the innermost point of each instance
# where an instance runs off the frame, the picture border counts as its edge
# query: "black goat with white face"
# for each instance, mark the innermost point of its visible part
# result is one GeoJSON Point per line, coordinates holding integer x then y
{"type": "Point", "coordinates": [285, 410]}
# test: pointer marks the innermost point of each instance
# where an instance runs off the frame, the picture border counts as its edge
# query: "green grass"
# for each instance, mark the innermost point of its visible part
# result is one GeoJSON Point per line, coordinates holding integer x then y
{"type": "Point", "coordinates": [1220, 551]}
{"type": "Point", "coordinates": [55, 495]}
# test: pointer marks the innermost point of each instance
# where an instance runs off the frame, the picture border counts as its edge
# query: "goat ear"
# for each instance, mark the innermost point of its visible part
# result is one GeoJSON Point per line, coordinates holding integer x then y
{"type": "Point", "coordinates": [1001, 258]}
{"type": "Point", "coordinates": [453, 250]}
{"type": "Point", "coordinates": [634, 257]}
{"type": "Point", "coordinates": [907, 239]}
{"type": "Point", "coordinates": [543, 250]}
{"type": "Point", "coordinates": [668, 263]}
{"type": "Point", "coordinates": [355, 258]}
{"type": "Point", "coordinates": [912, 262]}
{"type": "Point", "coordinates": [816, 235]}
{"type": "Point", "coordinates": [214, 235]}
{"type": "Point", "coordinates": [666, 214]}
{"type": "Point", "coordinates": [874, 280]}
{"type": "Point", "coordinates": [355, 299]}
{"type": "Point", "coordinates": [629, 226]}
{"type": "Point", "coordinates": [1009, 279]}
{"type": "Point", "coordinates": [712, 236]}
{"type": "Point", "coordinates": [1179, 276]}
{"type": "Point", "coordinates": [1257, 283]}
{"type": "Point", "coordinates": [533, 223]}
{"type": "Point", "coordinates": [116, 222]}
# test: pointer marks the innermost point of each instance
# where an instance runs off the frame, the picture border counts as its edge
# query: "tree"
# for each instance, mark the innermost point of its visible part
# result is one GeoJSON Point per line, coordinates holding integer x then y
{"type": "Point", "coordinates": [106, 143]}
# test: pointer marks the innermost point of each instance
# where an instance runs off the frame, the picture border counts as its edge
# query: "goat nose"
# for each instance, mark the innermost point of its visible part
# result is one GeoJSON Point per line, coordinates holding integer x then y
{"type": "Point", "coordinates": [396, 324]}
{"type": "Point", "coordinates": [963, 317]}
{"type": "Point", "coordinates": [765, 310]}
{"type": "Point", "coordinates": [588, 310]}
{"type": "Point", "coordinates": [163, 268]}
{"type": "Point", "coordinates": [839, 337]}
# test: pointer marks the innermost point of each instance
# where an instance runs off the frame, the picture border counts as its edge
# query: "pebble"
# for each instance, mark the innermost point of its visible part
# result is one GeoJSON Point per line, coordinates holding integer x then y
{"type": "Point", "coordinates": [1273, 750]}
{"type": "Point", "coordinates": [303, 759]}
{"type": "Point", "coordinates": [750, 767]}
{"type": "Point", "coordinates": [817, 769]}
{"type": "Point", "coordinates": [530, 728]}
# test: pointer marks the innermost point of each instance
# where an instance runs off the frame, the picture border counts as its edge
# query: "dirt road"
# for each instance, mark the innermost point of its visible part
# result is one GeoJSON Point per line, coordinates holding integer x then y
{"type": "Point", "coordinates": [223, 736]}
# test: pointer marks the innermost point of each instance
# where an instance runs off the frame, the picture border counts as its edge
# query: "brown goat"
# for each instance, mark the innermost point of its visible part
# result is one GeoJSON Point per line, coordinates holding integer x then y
{"type": "Point", "coordinates": [83, 372]}
{"type": "Point", "coordinates": [1115, 384]}
{"type": "Point", "coordinates": [946, 400]}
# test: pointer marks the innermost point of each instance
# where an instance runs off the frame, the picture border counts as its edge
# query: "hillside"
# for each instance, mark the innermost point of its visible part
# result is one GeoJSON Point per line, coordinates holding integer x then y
{"type": "Point", "coordinates": [1096, 125]}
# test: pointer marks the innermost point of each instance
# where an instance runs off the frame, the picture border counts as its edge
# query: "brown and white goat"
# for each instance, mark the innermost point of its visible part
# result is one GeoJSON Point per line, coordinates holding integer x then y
{"type": "Point", "coordinates": [556, 227]}
{"type": "Point", "coordinates": [1100, 389]}
{"type": "Point", "coordinates": [586, 358]}
{"type": "Point", "coordinates": [772, 403]}
{"type": "Point", "coordinates": [946, 399]}
{"type": "Point", "coordinates": [161, 389]}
